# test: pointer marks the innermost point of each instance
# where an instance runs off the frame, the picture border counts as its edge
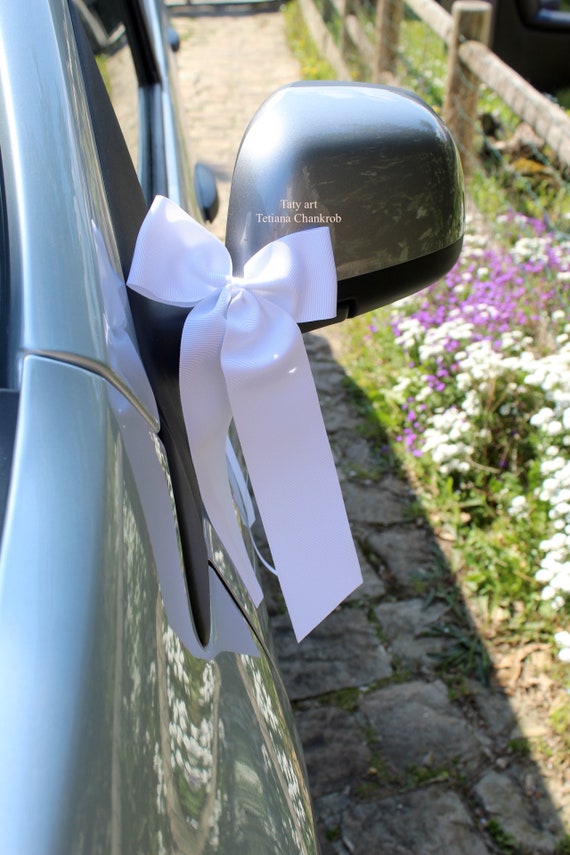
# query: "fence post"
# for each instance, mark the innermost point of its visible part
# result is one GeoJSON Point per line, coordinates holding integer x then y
{"type": "Point", "coordinates": [387, 36]}
{"type": "Point", "coordinates": [471, 21]}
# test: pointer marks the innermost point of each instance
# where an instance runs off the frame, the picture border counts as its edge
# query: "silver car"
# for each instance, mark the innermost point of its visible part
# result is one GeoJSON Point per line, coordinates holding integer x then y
{"type": "Point", "coordinates": [142, 707]}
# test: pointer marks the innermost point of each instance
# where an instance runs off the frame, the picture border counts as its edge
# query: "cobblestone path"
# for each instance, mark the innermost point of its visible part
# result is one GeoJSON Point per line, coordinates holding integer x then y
{"type": "Point", "coordinates": [402, 760]}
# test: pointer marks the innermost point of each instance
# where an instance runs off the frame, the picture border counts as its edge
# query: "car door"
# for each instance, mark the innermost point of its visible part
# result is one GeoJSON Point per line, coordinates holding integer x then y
{"type": "Point", "coordinates": [140, 711]}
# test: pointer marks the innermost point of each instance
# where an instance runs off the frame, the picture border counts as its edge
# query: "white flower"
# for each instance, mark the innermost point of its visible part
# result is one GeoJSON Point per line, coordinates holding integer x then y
{"type": "Point", "coordinates": [446, 441]}
{"type": "Point", "coordinates": [542, 417]}
{"type": "Point", "coordinates": [518, 507]}
{"type": "Point", "coordinates": [436, 338]}
{"type": "Point", "coordinates": [411, 331]}
{"type": "Point", "coordinates": [562, 638]}
{"type": "Point", "coordinates": [400, 389]}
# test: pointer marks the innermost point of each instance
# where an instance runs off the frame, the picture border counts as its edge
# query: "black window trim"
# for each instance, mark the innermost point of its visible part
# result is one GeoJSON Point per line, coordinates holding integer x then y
{"type": "Point", "coordinates": [158, 326]}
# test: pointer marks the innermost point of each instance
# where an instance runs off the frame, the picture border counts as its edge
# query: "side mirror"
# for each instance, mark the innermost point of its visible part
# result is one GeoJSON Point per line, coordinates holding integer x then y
{"type": "Point", "coordinates": [373, 163]}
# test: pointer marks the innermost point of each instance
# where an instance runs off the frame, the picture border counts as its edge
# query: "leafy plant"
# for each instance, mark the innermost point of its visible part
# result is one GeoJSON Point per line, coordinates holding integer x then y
{"type": "Point", "coordinates": [313, 66]}
{"type": "Point", "coordinates": [464, 652]}
{"type": "Point", "coordinates": [502, 838]}
{"type": "Point", "coordinates": [563, 847]}
{"type": "Point", "coordinates": [471, 380]}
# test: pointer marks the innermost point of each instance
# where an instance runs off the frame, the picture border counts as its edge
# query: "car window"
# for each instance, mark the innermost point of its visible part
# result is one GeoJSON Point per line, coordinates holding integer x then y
{"type": "Point", "coordinates": [107, 36]}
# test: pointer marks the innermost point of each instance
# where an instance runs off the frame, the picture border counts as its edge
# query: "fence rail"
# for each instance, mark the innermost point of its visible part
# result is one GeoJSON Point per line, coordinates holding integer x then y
{"type": "Point", "coordinates": [464, 32]}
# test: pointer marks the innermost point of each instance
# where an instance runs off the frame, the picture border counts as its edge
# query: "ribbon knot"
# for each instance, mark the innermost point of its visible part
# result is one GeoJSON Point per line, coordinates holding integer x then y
{"type": "Point", "coordinates": [242, 356]}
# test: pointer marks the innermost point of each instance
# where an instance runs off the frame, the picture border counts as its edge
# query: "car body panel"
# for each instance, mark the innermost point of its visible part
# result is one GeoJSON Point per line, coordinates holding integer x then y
{"type": "Point", "coordinates": [106, 718]}
{"type": "Point", "coordinates": [115, 735]}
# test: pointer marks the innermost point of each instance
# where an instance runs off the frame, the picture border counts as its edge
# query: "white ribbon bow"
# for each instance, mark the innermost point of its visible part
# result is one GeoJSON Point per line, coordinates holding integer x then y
{"type": "Point", "coordinates": [242, 356]}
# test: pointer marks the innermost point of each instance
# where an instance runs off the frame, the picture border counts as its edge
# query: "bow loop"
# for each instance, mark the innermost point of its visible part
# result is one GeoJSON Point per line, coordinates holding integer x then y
{"type": "Point", "coordinates": [281, 271]}
{"type": "Point", "coordinates": [176, 264]}
{"type": "Point", "coordinates": [242, 357]}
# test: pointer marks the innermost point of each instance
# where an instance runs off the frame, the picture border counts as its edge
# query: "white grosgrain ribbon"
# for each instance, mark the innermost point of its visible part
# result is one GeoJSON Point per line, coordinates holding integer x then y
{"type": "Point", "coordinates": [242, 356]}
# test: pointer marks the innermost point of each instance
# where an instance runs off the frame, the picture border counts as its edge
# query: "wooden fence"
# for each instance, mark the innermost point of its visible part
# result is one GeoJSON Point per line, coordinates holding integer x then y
{"type": "Point", "coordinates": [465, 32]}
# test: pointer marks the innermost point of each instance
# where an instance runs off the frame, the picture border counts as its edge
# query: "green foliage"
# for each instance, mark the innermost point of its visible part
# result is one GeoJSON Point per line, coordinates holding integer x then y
{"type": "Point", "coordinates": [520, 747]}
{"type": "Point", "coordinates": [563, 847]}
{"type": "Point", "coordinates": [488, 491]}
{"type": "Point", "coordinates": [103, 70]}
{"type": "Point", "coordinates": [417, 776]}
{"type": "Point", "coordinates": [345, 699]}
{"type": "Point", "coordinates": [422, 61]}
{"type": "Point", "coordinates": [464, 652]}
{"type": "Point", "coordinates": [502, 838]}
{"type": "Point", "coordinates": [560, 720]}
{"type": "Point", "coordinates": [488, 487]}
{"type": "Point", "coordinates": [563, 98]}
{"type": "Point", "coordinates": [313, 66]}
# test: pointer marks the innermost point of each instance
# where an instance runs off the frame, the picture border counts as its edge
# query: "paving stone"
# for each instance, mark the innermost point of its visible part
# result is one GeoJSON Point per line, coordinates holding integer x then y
{"type": "Point", "coordinates": [503, 800]}
{"type": "Point", "coordinates": [329, 376]}
{"type": "Point", "coordinates": [376, 503]}
{"type": "Point", "coordinates": [335, 748]}
{"type": "Point", "coordinates": [318, 348]}
{"type": "Point", "coordinates": [403, 623]}
{"type": "Point", "coordinates": [339, 416]}
{"type": "Point", "coordinates": [343, 652]}
{"type": "Point", "coordinates": [372, 588]}
{"type": "Point", "coordinates": [431, 821]}
{"type": "Point", "coordinates": [406, 551]}
{"type": "Point", "coordinates": [355, 456]}
{"type": "Point", "coordinates": [330, 810]}
{"type": "Point", "coordinates": [417, 725]}
{"type": "Point", "coordinates": [494, 708]}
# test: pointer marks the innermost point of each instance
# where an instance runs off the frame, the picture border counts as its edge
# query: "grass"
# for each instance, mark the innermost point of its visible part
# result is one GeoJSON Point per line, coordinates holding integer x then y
{"type": "Point", "coordinates": [313, 66]}
{"type": "Point", "coordinates": [494, 562]}
{"type": "Point", "coordinates": [496, 555]}
{"type": "Point", "coordinates": [502, 838]}
{"type": "Point", "coordinates": [563, 847]}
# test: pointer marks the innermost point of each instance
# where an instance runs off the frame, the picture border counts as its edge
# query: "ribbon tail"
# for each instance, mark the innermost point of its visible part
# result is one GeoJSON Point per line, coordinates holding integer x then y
{"type": "Point", "coordinates": [207, 416]}
{"type": "Point", "coordinates": [279, 422]}
{"type": "Point", "coordinates": [239, 486]}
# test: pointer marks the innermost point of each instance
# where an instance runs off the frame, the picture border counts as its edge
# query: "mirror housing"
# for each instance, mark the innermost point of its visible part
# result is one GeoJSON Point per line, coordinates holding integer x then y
{"type": "Point", "coordinates": [373, 163]}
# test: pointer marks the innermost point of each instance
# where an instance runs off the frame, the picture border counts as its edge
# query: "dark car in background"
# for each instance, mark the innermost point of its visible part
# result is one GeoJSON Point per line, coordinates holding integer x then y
{"type": "Point", "coordinates": [533, 37]}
